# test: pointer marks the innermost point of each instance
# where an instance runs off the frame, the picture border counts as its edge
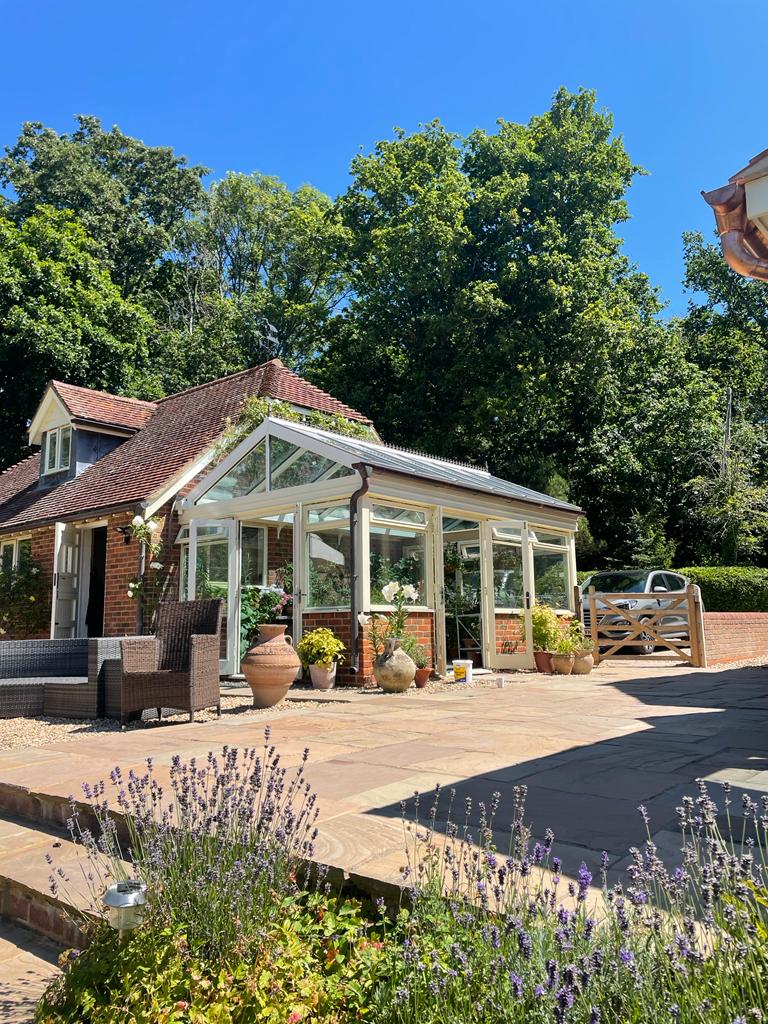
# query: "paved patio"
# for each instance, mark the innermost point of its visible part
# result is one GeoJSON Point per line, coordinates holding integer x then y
{"type": "Point", "coordinates": [589, 749]}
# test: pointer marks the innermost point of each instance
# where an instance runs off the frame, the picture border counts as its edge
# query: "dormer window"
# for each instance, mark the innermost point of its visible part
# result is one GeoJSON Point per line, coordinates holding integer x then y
{"type": "Point", "coordinates": [58, 449]}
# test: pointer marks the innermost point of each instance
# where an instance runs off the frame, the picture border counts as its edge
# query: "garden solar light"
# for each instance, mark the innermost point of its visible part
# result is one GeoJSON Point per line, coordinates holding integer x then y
{"type": "Point", "coordinates": [125, 904]}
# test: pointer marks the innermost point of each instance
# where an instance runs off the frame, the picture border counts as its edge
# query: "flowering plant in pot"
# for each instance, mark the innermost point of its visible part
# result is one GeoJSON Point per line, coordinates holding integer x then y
{"type": "Point", "coordinates": [563, 654]}
{"type": "Point", "coordinates": [393, 668]}
{"type": "Point", "coordinates": [546, 633]}
{"type": "Point", "coordinates": [320, 652]}
{"type": "Point", "coordinates": [418, 655]}
{"type": "Point", "coordinates": [270, 664]}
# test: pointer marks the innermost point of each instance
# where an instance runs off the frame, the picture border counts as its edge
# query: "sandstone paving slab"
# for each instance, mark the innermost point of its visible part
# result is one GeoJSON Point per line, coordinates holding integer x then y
{"type": "Point", "coordinates": [623, 784]}
{"type": "Point", "coordinates": [27, 965]}
{"type": "Point", "coordinates": [356, 838]}
{"type": "Point", "coordinates": [400, 755]}
{"type": "Point", "coordinates": [338, 779]}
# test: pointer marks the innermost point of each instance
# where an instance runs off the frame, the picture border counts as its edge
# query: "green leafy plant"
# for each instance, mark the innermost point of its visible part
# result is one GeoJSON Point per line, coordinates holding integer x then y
{"type": "Point", "coordinates": [24, 608]}
{"type": "Point", "coordinates": [582, 644]}
{"type": "Point", "coordinates": [546, 629]}
{"type": "Point", "coordinates": [564, 643]}
{"type": "Point", "coordinates": [320, 647]}
{"type": "Point", "coordinates": [260, 605]}
{"type": "Point", "coordinates": [415, 651]}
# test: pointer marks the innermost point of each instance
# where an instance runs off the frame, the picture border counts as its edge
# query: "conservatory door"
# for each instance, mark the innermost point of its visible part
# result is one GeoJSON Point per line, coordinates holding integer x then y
{"type": "Point", "coordinates": [213, 570]}
{"type": "Point", "coordinates": [507, 595]}
{"type": "Point", "coordinates": [66, 578]}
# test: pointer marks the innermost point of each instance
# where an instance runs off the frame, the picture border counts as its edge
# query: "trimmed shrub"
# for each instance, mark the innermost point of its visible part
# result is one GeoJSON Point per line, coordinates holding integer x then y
{"type": "Point", "coordinates": [731, 588]}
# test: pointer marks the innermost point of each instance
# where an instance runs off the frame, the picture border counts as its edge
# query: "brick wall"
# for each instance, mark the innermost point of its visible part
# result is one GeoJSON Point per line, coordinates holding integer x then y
{"type": "Point", "coordinates": [735, 636]}
{"type": "Point", "coordinates": [420, 624]}
{"type": "Point", "coordinates": [279, 550]}
{"type": "Point", "coordinates": [510, 634]}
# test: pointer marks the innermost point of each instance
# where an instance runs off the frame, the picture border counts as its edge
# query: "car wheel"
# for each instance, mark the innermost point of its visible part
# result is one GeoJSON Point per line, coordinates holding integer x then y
{"type": "Point", "coordinates": [649, 645]}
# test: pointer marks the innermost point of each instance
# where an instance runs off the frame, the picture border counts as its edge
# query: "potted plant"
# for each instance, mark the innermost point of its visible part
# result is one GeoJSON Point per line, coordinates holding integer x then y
{"type": "Point", "coordinates": [546, 633]}
{"type": "Point", "coordinates": [393, 668]}
{"type": "Point", "coordinates": [418, 655]}
{"type": "Point", "coordinates": [583, 659]}
{"type": "Point", "coordinates": [320, 651]}
{"type": "Point", "coordinates": [270, 664]}
{"type": "Point", "coordinates": [563, 654]}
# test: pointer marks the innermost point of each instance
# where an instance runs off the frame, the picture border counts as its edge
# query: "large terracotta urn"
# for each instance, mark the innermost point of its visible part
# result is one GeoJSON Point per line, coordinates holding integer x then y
{"type": "Point", "coordinates": [270, 666]}
{"type": "Point", "coordinates": [394, 669]}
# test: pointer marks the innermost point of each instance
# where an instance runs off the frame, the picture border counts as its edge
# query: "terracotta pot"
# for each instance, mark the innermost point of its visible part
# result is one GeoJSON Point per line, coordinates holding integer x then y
{"type": "Point", "coordinates": [270, 666]}
{"type": "Point", "coordinates": [543, 662]}
{"type": "Point", "coordinates": [393, 669]}
{"type": "Point", "coordinates": [583, 663]}
{"type": "Point", "coordinates": [562, 664]}
{"type": "Point", "coordinates": [422, 677]}
{"type": "Point", "coordinates": [323, 678]}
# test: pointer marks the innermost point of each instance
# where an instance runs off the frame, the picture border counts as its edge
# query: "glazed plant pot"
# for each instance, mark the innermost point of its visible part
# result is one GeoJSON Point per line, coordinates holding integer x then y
{"type": "Point", "coordinates": [393, 669]}
{"type": "Point", "coordinates": [323, 678]}
{"type": "Point", "coordinates": [562, 664]}
{"type": "Point", "coordinates": [583, 663]}
{"type": "Point", "coordinates": [422, 677]}
{"type": "Point", "coordinates": [543, 662]}
{"type": "Point", "coordinates": [270, 666]}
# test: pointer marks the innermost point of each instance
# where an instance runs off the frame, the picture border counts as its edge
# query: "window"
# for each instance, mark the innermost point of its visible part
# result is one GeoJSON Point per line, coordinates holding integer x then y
{"type": "Point", "coordinates": [253, 553]}
{"type": "Point", "coordinates": [398, 544]}
{"type": "Point", "coordinates": [248, 476]}
{"type": "Point", "coordinates": [291, 466]}
{"type": "Point", "coordinates": [545, 537]}
{"type": "Point", "coordinates": [550, 574]}
{"type": "Point", "coordinates": [507, 575]}
{"type": "Point", "coordinates": [7, 551]}
{"type": "Point", "coordinates": [328, 558]}
{"type": "Point", "coordinates": [14, 553]}
{"type": "Point", "coordinates": [58, 450]}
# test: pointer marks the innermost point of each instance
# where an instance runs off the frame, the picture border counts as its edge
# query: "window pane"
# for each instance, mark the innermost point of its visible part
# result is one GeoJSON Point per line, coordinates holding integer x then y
{"type": "Point", "coordinates": [25, 552]}
{"type": "Point", "coordinates": [549, 538]}
{"type": "Point", "coordinates": [328, 514]}
{"type": "Point", "coordinates": [328, 560]}
{"type": "Point", "coordinates": [550, 574]}
{"type": "Point", "coordinates": [252, 572]}
{"type": "Point", "coordinates": [212, 571]}
{"type": "Point", "coordinates": [65, 445]}
{"type": "Point", "coordinates": [513, 533]}
{"type": "Point", "coordinates": [397, 555]}
{"type": "Point", "coordinates": [6, 557]}
{"type": "Point", "coordinates": [52, 439]}
{"type": "Point", "coordinates": [507, 576]}
{"type": "Point", "coordinates": [291, 466]}
{"type": "Point", "coordinates": [452, 525]}
{"type": "Point", "coordinates": [399, 515]}
{"type": "Point", "coordinates": [247, 477]}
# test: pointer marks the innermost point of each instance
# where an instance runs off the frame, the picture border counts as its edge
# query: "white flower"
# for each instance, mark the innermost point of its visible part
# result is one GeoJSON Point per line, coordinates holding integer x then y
{"type": "Point", "coordinates": [137, 521]}
{"type": "Point", "coordinates": [390, 591]}
{"type": "Point", "coordinates": [130, 593]}
{"type": "Point", "coordinates": [410, 592]}
{"type": "Point", "coordinates": [152, 526]}
{"type": "Point", "coordinates": [155, 565]}
{"type": "Point", "coordinates": [363, 619]}
{"type": "Point", "coordinates": [34, 570]}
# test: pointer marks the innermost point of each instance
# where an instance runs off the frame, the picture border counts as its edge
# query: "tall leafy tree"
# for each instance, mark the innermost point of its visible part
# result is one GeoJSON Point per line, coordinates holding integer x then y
{"type": "Point", "coordinates": [131, 198]}
{"type": "Point", "coordinates": [61, 316]}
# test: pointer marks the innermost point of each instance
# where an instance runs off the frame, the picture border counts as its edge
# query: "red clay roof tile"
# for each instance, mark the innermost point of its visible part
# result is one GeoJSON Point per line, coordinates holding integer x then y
{"type": "Point", "coordinates": [101, 407]}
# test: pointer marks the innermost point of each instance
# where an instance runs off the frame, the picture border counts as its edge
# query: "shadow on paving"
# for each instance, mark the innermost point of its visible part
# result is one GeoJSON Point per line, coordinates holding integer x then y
{"type": "Point", "coordinates": [589, 795]}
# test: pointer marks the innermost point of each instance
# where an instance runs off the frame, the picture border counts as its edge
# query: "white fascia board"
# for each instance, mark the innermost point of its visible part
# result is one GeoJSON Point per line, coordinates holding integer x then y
{"type": "Point", "coordinates": [275, 428]}
{"type": "Point", "coordinates": [171, 487]}
{"type": "Point", "coordinates": [463, 503]}
{"type": "Point", "coordinates": [50, 413]}
{"type": "Point", "coordinates": [268, 502]}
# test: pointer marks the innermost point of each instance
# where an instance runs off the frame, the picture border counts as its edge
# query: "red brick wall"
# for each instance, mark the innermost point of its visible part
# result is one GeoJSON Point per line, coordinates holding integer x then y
{"type": "Point", "coordinates": [735, 636]}
{"type": "Point", "coordinates": [420, 624]}
{"type": "Point", "coordinates": [510, 634]}
{"type": "Point", "coordinates": [122, 567]}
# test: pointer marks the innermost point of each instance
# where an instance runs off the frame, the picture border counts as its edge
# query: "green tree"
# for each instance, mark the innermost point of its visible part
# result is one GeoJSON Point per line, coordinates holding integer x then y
{"type": "Point", "coordinates": [131, 198]}
{"type": "Point", "coordinates": [61, 317]}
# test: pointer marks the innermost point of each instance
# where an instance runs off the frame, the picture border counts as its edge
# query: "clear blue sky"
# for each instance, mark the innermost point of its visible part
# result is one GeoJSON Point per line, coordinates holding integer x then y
{"type": "Point", "coordinates": [296, 89]}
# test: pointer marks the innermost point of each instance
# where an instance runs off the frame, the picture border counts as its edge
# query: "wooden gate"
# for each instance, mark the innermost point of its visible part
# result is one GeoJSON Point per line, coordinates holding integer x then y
{"type": "Point", "coordinates": [672, 622]}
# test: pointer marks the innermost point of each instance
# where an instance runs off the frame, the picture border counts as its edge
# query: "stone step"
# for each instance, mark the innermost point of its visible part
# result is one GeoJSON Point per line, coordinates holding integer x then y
{"type": "Point", "coordinates": [26, 897]}
{"type": "Point", "coordinates": [27, 964]}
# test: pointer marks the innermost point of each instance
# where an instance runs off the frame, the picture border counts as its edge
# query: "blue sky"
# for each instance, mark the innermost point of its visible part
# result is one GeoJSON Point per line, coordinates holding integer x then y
{"type": "Point", "coordinates": [296, 89]}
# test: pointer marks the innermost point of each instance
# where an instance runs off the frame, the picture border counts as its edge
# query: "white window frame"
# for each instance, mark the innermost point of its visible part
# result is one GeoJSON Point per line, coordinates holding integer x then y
{"type": "Point", "coordinates": [567, 550]}
{"type": "Point", "coordinates": [427, 528]}
{"type": "Point", "coordinates": [58, 466]}
{"type": "Point", "coordinates": [14, 544]}
{"type": "Point", "coordinates": [318, 527]}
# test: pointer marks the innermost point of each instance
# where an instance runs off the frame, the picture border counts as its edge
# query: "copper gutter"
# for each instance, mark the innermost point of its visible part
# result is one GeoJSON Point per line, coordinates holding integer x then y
{"type": "Point", "coordinates": [743, 246]}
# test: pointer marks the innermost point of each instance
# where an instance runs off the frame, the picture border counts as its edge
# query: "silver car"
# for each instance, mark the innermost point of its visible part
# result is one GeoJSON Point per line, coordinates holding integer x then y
{"type": "Point", "coordinates": [638, 581]}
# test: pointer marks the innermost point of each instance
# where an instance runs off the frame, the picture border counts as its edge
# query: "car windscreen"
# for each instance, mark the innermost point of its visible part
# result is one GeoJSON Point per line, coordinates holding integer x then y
{"type": "Point", "coordinates": [618, 583]}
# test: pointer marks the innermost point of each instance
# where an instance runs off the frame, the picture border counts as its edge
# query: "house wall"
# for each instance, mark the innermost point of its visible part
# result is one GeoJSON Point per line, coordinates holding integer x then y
{"type": "Point", "coordinates": [420, 624]}
{"type": "Point", "coordinates": [510, 634]}
{"type": "Point", "coordinates": [735, 636]}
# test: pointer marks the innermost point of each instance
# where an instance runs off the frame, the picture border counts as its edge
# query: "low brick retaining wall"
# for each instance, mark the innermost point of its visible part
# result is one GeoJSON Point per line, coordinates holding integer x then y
{"type": "Point", "coordinates": [735, 636]}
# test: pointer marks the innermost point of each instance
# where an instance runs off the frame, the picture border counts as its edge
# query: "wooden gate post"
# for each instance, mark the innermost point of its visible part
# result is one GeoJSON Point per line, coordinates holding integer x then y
{"type": "Point", "coordinates": [593, 629]}
{"type": "Point", "coordinates": [696, 626]}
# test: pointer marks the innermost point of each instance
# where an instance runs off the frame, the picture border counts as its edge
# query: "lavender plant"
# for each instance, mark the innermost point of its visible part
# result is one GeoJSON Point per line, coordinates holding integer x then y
{"type": "Point", "coordinates": [216, 851]}
{"type": "Point", "coordinates": [504, 938]}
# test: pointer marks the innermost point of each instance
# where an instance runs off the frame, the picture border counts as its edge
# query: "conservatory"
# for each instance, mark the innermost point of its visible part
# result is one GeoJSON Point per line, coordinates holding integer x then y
{"type": "Point", "coordinates": [332, 519]}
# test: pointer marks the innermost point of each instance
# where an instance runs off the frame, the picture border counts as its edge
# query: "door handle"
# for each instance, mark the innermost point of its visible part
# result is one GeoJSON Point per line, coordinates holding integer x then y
{"type": "Point", "coordinates": [527, 600]}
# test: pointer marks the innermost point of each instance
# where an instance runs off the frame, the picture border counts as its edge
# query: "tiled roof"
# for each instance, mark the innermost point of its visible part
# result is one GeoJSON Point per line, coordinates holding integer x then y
{"type": "Point", "coordinates": [179, 430]}
{"type": "Point", "coordinates": [100, 407]}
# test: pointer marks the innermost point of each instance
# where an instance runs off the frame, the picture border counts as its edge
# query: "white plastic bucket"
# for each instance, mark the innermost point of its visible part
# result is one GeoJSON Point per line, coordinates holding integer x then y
{"type": "Point", "coordinates": [462, 671]}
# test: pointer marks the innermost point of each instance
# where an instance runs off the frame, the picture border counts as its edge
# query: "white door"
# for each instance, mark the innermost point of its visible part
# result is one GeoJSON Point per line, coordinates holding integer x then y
{"type": "Point", "coordinates": [507, 572]}
{"type": "Point", "coordinates": [66, 579]}
{"type": "Point", "coordinates": [214, 571]}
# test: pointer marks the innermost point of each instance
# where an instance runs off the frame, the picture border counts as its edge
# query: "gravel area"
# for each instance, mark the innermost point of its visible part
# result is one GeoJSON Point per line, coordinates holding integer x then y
{"type": "Point", "coordinates": [38, 732]}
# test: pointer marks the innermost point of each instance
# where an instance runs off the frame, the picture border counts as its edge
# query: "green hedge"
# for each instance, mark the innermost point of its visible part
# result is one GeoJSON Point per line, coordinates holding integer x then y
{"type": "Point", "coordinates": [725, 588]}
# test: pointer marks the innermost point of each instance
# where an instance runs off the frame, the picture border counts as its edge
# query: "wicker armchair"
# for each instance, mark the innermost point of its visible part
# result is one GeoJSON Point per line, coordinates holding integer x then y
{"type": "Point", "coordinates": [176, 668]}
